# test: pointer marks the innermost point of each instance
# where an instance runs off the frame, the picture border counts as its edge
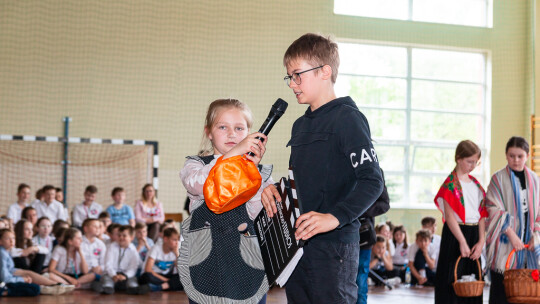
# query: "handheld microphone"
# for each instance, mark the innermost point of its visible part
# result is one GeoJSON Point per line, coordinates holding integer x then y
{"type": "Point", "coordinates": [278, 108]}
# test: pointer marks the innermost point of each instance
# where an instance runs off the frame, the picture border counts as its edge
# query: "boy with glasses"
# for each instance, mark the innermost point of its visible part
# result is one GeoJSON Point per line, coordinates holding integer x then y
{"type": "Point", "coordinates": [337, 175]}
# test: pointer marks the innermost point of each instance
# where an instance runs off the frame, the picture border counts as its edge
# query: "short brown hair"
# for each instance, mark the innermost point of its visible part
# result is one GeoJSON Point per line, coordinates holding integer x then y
{"type": "Point", "coordinates": [113, 226]}
{"type": "Point", "coordinates": [380, 239]}
{"type": "Point", "coordinates": [127, 228]}
{"type": "Point", "coordinates": [428, 221]}
{"type": "Point", "coordinates": [467, 148]}
{"type": "Point", "coordinates": [91, 189]}
{"type": "Point", "coordinates": [48, 188]}
{"type": "Point", "coordinates": [22, 187]}
{"type": "Point", "coordinates": [169, 232]}
{"type": "Point", "coordinates": [423, 234]}
{"type": "Point", "coordinates": [315, 49]}
{"type": "Point", "coordinates": [116, 190]}
{"type": "Point", "coordinates": [139, 226]}
{"type": "Point", "coordinates": [87, 221]}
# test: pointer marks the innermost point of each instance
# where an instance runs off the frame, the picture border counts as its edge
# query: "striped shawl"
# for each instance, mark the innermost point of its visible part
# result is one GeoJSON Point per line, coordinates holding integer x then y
{"type": "Point", "coordinates": [505, 210]}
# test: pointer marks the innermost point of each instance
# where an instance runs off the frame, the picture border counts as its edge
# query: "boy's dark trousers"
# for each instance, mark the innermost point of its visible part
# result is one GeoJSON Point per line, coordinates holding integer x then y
{"type": "Point", "coordinates": [174, 280]}
{"type": "Point", "coordinates": [21, 289]}
{"type": "Point", "coordinates": [419, 264]}
{"type": "Point", "coordinates": [36, 265]}
{"type": "Point", "coordinates": [325, 274]}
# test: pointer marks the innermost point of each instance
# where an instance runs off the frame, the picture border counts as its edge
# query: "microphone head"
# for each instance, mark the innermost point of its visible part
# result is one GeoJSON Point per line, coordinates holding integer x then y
{"type": "Point", "coordinates": [279, 107]}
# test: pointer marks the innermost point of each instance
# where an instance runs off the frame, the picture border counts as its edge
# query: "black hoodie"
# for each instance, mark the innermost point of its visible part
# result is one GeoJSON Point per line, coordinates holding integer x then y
{"type": "Point", "coordinates": [335, 166]}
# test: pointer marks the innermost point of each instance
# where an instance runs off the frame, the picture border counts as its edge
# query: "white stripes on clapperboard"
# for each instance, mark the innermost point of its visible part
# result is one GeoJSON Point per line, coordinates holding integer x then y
{"type": "Point", "coordinates": [295, 198]}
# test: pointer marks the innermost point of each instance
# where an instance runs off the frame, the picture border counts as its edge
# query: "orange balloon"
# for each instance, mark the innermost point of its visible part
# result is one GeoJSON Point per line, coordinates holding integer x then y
{"type": "Point", "coordinates": [231, 183]}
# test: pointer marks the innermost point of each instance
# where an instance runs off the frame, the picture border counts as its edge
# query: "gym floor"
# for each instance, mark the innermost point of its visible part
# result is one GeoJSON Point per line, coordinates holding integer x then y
{"type": "Point", "coordinates": [276, 295]}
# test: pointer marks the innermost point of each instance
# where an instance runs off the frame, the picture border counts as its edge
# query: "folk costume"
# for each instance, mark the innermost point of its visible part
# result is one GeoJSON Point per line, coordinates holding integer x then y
{"type": "Point", "coordinates": [512, 203]}
{"type": "Point", "coordinates": [217, 264]}
{"type": "Point", "coordinates": [467, 200]}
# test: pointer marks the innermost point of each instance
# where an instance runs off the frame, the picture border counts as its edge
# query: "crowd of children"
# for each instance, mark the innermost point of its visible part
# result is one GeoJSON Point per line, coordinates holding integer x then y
{"type": "Point", "coordinates": [106, 251]}
{"type": "Point", "coordinates": [393, 258]}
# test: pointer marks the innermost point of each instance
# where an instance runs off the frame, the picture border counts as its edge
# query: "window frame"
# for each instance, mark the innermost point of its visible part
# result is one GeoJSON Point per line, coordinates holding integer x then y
{"type": "Point", "coordinates": [488, 15]}
{"type": "Point", "coordinates": [408, 143]}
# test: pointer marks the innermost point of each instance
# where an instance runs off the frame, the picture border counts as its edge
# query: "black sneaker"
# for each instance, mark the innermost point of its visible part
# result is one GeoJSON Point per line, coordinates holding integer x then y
{"type": "Point", "coordinates": [143, 289]}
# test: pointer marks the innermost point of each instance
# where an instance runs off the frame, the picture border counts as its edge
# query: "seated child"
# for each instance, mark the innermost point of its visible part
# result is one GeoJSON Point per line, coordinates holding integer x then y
{"type": "Point", "coordinates": [422, 259]}
{"type": "Point", "coordinates": [15, 210]}
{"type": "Point", "coordinates": [24, 282]}
{"type": "Point", "coordinates": [68, 261]}
{"type": "Point", "coordinates": [381, 261]}
{"type": "Point", "coordinates": [160, 270]}
{"type": "Point", "coordinates": [121, 266]}
{"type": "Point", "coordinates": [141, 241]}
{"type": "Point", "coordinates": [384, 230]}
{"type": "Point", "coordinates": [120, 213]}
{"type": "Point", "coordinates": [112, 233]}
{"type": "Point", "coordinates": [94, 249]}
{"type": "Point", "coordinates": [44, 238]}
{"type": "Point", "coordinates": [429, 223]}
{"type": "Point", "coordinates": [105, 219]}
{"type": "Point", "coordinates": [401, 256]}
{"type": "Point", "coordinates": [30, 214]}
{"type": "Point", "coordinates": [88, 208]}
{"type": "Point", "coordinates": [25, 254]}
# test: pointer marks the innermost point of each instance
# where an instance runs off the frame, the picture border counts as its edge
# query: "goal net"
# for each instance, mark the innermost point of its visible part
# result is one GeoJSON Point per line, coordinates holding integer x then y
{"type": "Point", "coordinates": [38, 161]}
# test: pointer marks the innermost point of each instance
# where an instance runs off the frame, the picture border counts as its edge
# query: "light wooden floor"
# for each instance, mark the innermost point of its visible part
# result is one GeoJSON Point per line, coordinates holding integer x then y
{"type": "Point", "coordinates": [401, 295]}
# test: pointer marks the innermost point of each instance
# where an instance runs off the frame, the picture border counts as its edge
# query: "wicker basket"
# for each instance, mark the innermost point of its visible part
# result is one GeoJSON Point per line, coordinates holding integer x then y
{"type": "Point", "coordinates": [519, 285]}
{"type": "Point", "coordinates": [468, 289]}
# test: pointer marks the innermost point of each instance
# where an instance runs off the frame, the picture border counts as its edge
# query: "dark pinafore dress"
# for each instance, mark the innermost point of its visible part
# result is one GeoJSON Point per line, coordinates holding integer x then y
{"type": "Point", "coordinates": [217, 264]}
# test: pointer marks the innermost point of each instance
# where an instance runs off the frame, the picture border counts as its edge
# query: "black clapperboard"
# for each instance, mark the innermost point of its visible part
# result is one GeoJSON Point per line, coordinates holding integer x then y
{"type": "Point", "coordinates": [279, 248]}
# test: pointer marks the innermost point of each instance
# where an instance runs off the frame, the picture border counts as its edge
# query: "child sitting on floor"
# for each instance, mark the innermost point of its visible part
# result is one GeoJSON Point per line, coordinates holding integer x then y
{"type": "Point", "coordinates": [21, 282]}
{"type": "Point", "coordinates": [26, 254]}
{"type": "Point", "coordinates": [121, 266]}
{"type": "Point", "coordinates": [141, 241]}
{"type": "Point", "coordinates": [381, 262]}
{"type": "Point", "coordinates": [422, 259]}
{"type": "Point", "coordinates": [45, 239]}
{"type": "Point", "coordinates": [94, 249]}
{"type": "Point", "coordinates": [68, 261]}
{"type": "Point", "coordinates": [160, 270]}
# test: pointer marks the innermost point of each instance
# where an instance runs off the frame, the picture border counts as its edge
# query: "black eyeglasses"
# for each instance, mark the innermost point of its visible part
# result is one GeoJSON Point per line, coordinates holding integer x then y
{"type": "Point", "coordinates": [296, 76]}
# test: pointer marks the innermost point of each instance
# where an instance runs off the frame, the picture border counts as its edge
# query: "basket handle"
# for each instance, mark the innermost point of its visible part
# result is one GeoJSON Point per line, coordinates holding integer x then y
{"type": "Point", "coordinates": [477, 263]}
{"type": "Point", "coordinates": [510, 256]}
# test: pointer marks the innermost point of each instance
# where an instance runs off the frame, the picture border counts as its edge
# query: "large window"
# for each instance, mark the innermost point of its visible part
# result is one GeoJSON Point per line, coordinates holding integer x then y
{"type": "Point", "coordinates": [461, 12]}
{"type": "Point", "coordinates": [420, 103]}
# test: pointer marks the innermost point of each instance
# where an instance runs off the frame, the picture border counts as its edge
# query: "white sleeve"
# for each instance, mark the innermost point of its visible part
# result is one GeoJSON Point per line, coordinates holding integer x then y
{"type": "Point", "coordinates": [61, 212]}
{"type": "Point", "coordinates": [57, 254]}
{"type": "Point", "coordinates": [254, 205]}
{"type": "Point", "coordinates": [12, 213]}
{"type": "Point", "coordinates": [99, 209]}
{"type": "Point", "coordinates": [15, 252]}
{"type": "Point", "coordinates": [102, 255]}
{"type": "Point", "coordinates": [110, 268]}
{"type": "Point", "coordinates": [152, 253]}
{"type": "Point", "coordinates": [193, 176]}
{"type": "Point", "coordinates": [43, 249]}
{"type": "Point", "coordinates": [91, 260]}
{"type": "Point", "coordinates": [131, 270]}
{"type": "Point", "coordinates": [78, 217]}
{"type": "Point", "coordinates": [412, 252]}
